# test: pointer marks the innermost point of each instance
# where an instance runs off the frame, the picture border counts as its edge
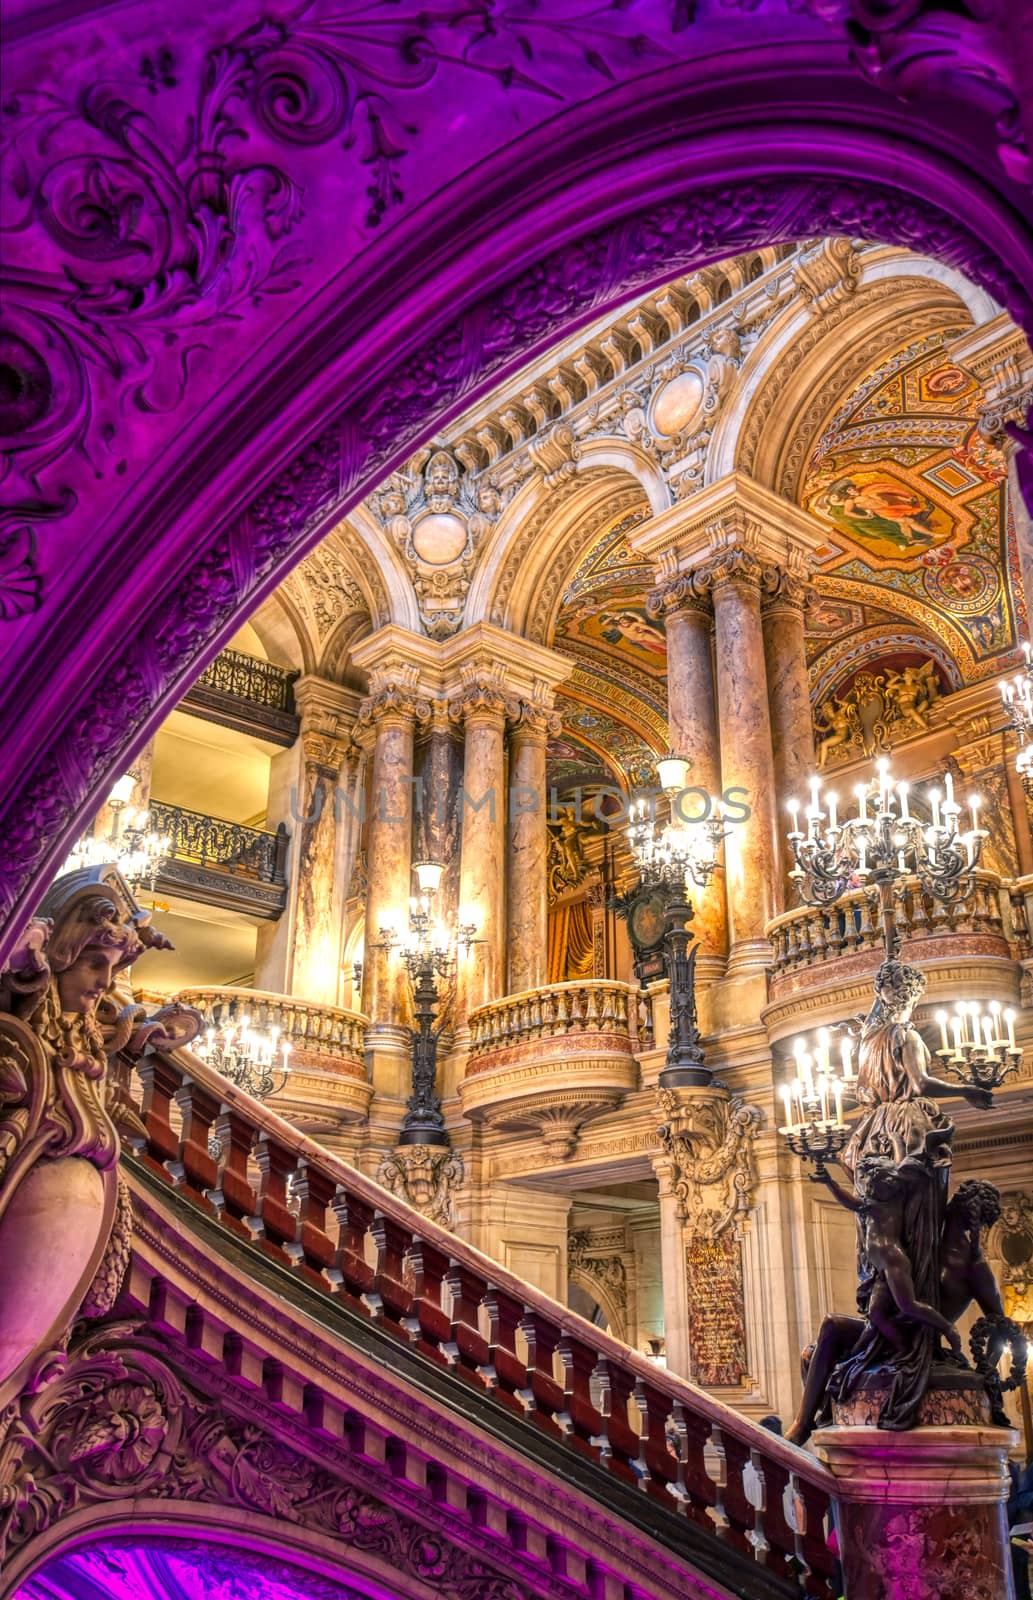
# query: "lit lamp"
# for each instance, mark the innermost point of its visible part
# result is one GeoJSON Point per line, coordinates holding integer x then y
{"type": "Point", "coordinates": [670, 856]}
{"type": "Point", "coordinates": [978, 1047]}
{"type": "Point", "coordinates": [258, 1063]}
{"type": "Point", "coordinates": [137, 850]}
{"type": "Point", "coordinates": [884, 844]}
{"type": "Point", "coordinates": [813, 1101]}
{"type": "Point", "coordinates": [429, 954]}
{"type": "Point", "coordinates": [1017, 695]}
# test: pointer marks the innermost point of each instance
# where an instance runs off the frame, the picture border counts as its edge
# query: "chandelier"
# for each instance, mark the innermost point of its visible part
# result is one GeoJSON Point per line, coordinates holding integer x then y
{"type": "Point", "coordinates": [258, 1063]}
{"type": "Point", "coordinates": [138, 851]}
{"type": "Point", "coordinates": [1018, 702]}
{"type": "Point", "coordinates": [883, 844]}
{"type": "Point", "coordinates": [980, 1047]}
{"type": "Point", "coordinates": [814, 1099]}
{"type": "Point", "coordinates": [682, 849]}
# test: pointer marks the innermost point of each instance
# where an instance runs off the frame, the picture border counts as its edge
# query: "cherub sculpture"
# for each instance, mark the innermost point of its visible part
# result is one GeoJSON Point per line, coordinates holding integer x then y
{"type": "Point", "coordinates": [910, 694]}
{"type": "Point", "coordinates": [839, 726]}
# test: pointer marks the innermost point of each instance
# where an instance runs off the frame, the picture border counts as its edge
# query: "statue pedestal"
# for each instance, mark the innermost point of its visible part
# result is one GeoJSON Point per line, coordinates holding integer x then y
{"type": "Point", "coordinates": [921, 1514]}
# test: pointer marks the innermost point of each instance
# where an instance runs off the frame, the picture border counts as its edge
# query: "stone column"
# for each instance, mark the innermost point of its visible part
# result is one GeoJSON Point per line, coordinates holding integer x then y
{"type": "Point", "coordinates": [481, 708]}
{"type": "Point", "coordinates": [692, 728]}
{"type": "Point", "coordinates": [789, 695]}
{"type": "Point", "coordinates": [528, 848]}
{"type": "Point", "coordinates": [921, 1512]}
{"type": "Point", "coordinates": [753, 871]}
{"type": "Point", "coordinates": [388, 717]}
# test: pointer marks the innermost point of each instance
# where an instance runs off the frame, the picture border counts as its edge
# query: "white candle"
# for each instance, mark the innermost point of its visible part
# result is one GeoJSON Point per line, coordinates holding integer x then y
{"type": "Point", "coordinates": [948, 784]}
{"type": "Point", "coordinates": [956, 1030]}
{"type": "Point", "coordinates": [861, 796]}
{"type": "Point", "coordinates": [1009, 1020]}
{"type": "Point", "coordinates": [845, 1056]}
{"type": "Point", "coordinates": [786, 1104]}
{"type": "Point", "coordinates": [794, 812]}
{"type": "Point", "coordinates": [900, 861]}
{"type": "Point", "coordinates": [823, 1049]}
{"type": "Point", "coordinates": [973, 804]}
{"type": "Point", "coordinates": [823, 1096]}
{"type": "Point", "coordinates": [838, 1091]}
{"type": "Point", "coordinates": [941, 1017]}
{"type": "Point", "coordinates": [902, 790]}
{"type": "Point", "coordinates": [934, 801]}
{"type": "Point", "coordinates": [808, 1076]}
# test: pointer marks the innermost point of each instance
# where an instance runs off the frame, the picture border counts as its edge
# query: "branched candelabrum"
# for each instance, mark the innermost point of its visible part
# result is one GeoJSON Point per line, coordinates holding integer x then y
{"type": "Point", "coordinates": [671, 856]}
{"type": "Point", "coordinates": [883, 845]}
{"type": "Point", "coordinates": [1017, 695]}
{"type": "Point", "coordinates": [813, 1102]}
{"type": "Point", "coordinates": [258, 1063]}
{"type": "Point", "coordinates": [429, 955]}
{"type": "Point", "coordinates": [978, 1048]}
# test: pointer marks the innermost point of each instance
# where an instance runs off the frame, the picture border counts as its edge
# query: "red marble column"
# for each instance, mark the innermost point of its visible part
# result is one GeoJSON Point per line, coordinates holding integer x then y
{"type": "Point", "coordinates": [789, 696]}
{"type": "Point", "coordinates": [527, 903]}
{"type": "Point", "coordinates": [752, 866]}
{"type": "Point", "coordinates": [479, 977]}
{"type": "Point", "coordinates": [692, 724]}
{"type": "Point", "coordinates": [388, 857]}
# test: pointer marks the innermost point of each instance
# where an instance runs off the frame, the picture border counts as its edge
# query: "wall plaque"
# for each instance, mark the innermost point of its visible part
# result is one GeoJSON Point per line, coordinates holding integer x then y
{"type": "Point", "coordinates": [717, 1314]}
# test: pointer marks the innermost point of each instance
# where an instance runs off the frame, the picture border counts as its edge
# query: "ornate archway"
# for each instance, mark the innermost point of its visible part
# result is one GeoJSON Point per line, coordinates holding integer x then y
{"type": "Point", "coordinates": [209, 503]}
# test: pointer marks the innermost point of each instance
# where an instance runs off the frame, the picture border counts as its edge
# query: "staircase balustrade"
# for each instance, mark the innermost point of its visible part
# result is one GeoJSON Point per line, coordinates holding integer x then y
{"type": "Point", "coordinates": [347, 1237]}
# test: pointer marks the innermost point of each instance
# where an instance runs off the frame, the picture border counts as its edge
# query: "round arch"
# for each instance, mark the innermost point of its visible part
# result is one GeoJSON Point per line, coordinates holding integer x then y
{"type": "Point", "coordinates": [708, 158]}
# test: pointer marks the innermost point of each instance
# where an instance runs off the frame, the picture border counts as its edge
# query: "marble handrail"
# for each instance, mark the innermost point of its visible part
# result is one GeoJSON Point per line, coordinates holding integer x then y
{"type": "Point", "coordinates": [741, 1485]}
{"type": "Point", "coordinates": [552, 1011]}
{"type": "Point", "coordinates": [811, 935]}
{"type": "Point", "coordinates": [326, 1030]}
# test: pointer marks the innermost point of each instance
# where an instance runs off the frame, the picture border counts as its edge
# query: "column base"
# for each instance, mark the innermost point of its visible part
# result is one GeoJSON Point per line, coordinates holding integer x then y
{"type": "Point", "coordinates": [921, 1514]}
{"type": "Point", "coordinates": [389, 1060]}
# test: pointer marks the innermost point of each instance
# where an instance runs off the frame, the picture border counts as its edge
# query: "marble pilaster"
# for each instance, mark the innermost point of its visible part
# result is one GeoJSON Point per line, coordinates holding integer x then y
{"type": "Point", "coordinates": [327, 712]}
{"type": "Point", "coordinates": [389, 719]}
{"type": "Point", "coordinates": [481, 708]}
{"type": "Point", "coordinates": [789, 698]}
{"type": "Point", "coordinates": [528, 848]}
{"type": "Point", "coordinates": [693, 732]}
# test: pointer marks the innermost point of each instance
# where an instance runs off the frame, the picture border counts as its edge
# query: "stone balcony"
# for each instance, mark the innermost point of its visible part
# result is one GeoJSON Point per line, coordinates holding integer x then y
{"type": "Point", "coordinates": [552, 1059]}
{"type": "Point", "coordinates": [221, 863]}
{"type": "Point", "coordinates": [243, 692]}
{"type": "Point", "coordinates": [824, 958]}
{"type": "Point", "coordinates": [328, 1076]}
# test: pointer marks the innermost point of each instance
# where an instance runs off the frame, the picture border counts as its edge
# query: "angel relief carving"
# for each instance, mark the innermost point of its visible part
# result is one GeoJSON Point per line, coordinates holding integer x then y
{"type": "Point", "coordinates": [876, 708]}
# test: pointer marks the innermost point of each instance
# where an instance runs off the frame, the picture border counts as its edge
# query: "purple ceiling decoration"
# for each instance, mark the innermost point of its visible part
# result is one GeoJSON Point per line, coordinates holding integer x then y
{"type": "Point", "coordinates": [257, 257]}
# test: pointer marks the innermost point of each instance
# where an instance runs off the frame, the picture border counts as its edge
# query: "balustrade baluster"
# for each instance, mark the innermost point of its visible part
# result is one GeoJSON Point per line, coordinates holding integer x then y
{"type": "Point", "coordinates": [819, 1566]}
{"type": "Point", "coordinates": [694, 1489]}
{"type": "Point", "coordinates": [918, 917]}
{"type": "Point", "coordinates": [618, 1442]}
{"type": "Point", "coordinates": [273, 1220]}
{"type": "Point", "coordinates": [542, 1396]}
{"type": "Point", "coordinates": [562, 1012]}
{"type": "Point", "coordinates": [315, 1191]}
{"type": "Point", "coordinates": [579, 1418]}
{"type": "Point", "coordinates": [734, 1514]}
{"type": "Point", "coordinates": [655, 1464]}
{"type": "Point", "coordinates": [504, 1372]}
{"type": "Point", "coordinates": [233, 1197]}
{"type": "Point", "coordinates": [430, 1325]}
{"type": "Point", "coordinates": [468, 1346]}
{"type": "Point", "coordinates": [195, 1167]}
{"type": "Point", "coordinates": [819, 938]}
{"type": "Point", "coordinates": [161, 1078]}
{"type": "Point", "coordinates": [351, 1272]}
{"type": "Point", "coordinates": [778, 1548]}
{"type": "Point", "coordinates": [588, 1003]}
{"type": "Point", "coordinates": [391, 1296]}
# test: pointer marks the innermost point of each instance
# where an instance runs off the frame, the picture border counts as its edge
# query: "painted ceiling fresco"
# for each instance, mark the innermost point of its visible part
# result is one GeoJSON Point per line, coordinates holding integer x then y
{"type": "Point", "coordinates": [921, 546]}
{"type": "Point", "coordinates": [614, 705]}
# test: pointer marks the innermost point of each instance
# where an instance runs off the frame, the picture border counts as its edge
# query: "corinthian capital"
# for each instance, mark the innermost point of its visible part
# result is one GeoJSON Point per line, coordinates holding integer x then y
{"type": "Point", "coordinates": [688, 591]}
{"type": "Point", "coordinates": [530, 717]}
{"type": "Point", "coordinates": [392, 697]}
{"type": "Point", "coordinates": [785, 589]}
{"type": "Point", "coordinates": [482, 692]}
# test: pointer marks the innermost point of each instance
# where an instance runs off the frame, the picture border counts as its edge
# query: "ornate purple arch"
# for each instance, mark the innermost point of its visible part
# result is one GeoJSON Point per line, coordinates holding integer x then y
{"type": "Point", "coordinates": [255, 258]}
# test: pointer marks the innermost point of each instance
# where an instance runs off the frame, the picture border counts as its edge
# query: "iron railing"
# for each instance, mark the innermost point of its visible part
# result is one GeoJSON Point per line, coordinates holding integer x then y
{"type": "Point", "coordinates": [213, 842]}
{"type": "Point", "coordinates": [249, 678]}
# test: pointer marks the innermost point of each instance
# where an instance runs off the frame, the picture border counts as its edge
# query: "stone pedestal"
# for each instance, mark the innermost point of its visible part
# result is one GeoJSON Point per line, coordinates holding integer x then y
{"type": "Point", "coordinates": [921, 1515]}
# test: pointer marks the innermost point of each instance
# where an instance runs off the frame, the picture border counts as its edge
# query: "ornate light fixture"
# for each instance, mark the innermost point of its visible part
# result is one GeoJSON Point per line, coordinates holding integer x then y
{"type": "Point", "coordinates": [668, 857]}
{"type": "Point", "coordinates": [973, 1049]}
{"type": "Point", "coordinates": [429, 955]}
{"type": "Point", "coordinates": [883, 845]}
{"type": "Point", "coordinates": [813, 1101]}
{"type": "Point", "coordinates": [133, 846]}
{"type": "Point", "coordinates": [1017, 695]}
{"type": "Point", "coordinates": [683, 848]}
{"type": "Point", "coordinates": [258, 1063]}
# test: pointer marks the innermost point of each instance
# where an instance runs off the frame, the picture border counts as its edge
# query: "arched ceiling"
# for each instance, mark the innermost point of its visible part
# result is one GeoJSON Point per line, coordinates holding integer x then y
{"type": "Point", "coordinates": [178, 1569]}
{"type": "Point", "coordinates": [921, 551]}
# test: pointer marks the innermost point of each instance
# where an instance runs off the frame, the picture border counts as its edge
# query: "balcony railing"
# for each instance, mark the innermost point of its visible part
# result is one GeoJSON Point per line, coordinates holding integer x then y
{"type": "Point", "coordinates": [748, 1504]}
{"type": "Point", "coordinates": [559, 1011]}
{"type": "Point", "coordinates": [242, 691]}
{"type": "Point", "coordinates": [812, 936]}
{"type": "Point", "coordinates": [319, 1032]}
{"type": "Point", "coordinates": [222, 863]}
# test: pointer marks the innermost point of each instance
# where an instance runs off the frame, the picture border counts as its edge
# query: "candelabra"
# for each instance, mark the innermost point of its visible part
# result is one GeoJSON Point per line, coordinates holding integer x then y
{"type": "Point", "coordinates": [667, 858]}
{"type": "Point", "coordinates": [1018, 702]}
{"type": "Point", "coordinates": [137, 850]}
{"type": "Point", "coordinates": [814, 1099]}
{"type": "Point", "coordinates": [429, 955]}
{"type": "Point", "coordinates": [977, 1052]}
{"type": "Point", "coordinates": [883, 845]}
{"type": "Point", "coordinates": [247, 1058]}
